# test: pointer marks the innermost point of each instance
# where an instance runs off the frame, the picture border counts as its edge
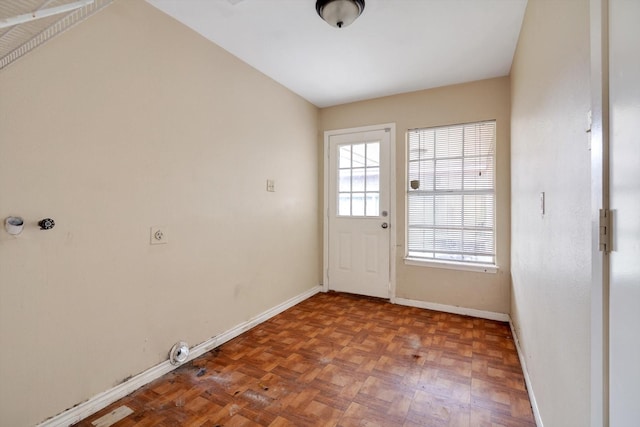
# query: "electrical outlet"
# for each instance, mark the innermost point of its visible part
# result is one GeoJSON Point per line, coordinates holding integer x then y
{"type": "Point", "coordinates": [159, 235]}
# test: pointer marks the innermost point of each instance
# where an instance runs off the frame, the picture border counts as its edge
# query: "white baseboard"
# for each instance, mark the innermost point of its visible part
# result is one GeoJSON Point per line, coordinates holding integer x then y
{"type": "Point", "coordinates": [491, 315]}
{"type": "Point", "coordinates": [527, 379]}
{"type": "Point", "coordinates": [104, 399]}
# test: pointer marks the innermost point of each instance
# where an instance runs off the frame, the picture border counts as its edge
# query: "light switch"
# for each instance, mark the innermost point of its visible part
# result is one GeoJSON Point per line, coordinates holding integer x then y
{"type": "Point", "coordinates": [271, 185]}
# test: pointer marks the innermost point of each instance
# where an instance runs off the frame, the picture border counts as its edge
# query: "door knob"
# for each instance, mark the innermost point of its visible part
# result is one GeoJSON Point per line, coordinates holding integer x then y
{"type": "Point", "coordinates": [385, 225]}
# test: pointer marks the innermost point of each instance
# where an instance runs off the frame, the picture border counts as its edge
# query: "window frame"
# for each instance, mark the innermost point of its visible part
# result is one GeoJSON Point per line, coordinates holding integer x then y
{"type": "Point", "coordinates": [488, 267]}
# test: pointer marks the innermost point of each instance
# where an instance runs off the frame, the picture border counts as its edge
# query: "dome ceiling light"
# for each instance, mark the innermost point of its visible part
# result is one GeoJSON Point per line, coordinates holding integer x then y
{"type": "Point", "coordinates": [339, 13]}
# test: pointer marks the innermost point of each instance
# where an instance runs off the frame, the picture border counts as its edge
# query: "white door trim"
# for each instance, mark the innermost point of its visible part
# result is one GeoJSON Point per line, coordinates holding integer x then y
{"type": "Point", "coordinates": [392, 201]}
{"type": "Point", "coordinates": [599, 133]}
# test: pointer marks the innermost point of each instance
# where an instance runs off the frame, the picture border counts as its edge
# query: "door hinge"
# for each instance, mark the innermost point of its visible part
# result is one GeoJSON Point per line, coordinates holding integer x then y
{"type": "Point", "coordinates": [604, 241]}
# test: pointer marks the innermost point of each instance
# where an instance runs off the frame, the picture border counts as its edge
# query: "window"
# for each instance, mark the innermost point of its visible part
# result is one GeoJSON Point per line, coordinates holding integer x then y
{"type": "Point", "coordinates": [451, 193]}
{"type": "Point", "coordinates": [359, 179]}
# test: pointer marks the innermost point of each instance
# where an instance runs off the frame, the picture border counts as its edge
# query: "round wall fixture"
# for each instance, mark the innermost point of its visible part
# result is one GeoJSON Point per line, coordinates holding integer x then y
{"type": "Point", "coordinates": [46, 224]}
{"type": "Point", "coordinates": [179, 353]}
{"type": "Point", "coordinates": [14, 225]}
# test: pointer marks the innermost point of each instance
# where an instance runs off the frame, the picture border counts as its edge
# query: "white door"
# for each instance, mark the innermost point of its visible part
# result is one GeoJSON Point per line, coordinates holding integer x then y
{"type": "Point", "coordinates": [624, 310]}
{"type": "Point", "coordinates": [359, 223]}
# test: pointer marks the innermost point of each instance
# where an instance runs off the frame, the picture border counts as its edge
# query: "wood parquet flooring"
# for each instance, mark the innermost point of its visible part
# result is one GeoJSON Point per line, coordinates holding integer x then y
{"type": "Point", "coordinates": [344, 360]}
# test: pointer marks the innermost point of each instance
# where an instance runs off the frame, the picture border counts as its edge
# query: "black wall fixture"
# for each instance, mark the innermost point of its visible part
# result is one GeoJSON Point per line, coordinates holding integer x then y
{"type": "Point", "coordinates": [46, 224]}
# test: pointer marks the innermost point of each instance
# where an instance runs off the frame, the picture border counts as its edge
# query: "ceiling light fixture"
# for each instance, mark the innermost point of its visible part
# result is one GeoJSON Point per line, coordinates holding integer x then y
{"type": "Point", "coordinates": [339, 13]}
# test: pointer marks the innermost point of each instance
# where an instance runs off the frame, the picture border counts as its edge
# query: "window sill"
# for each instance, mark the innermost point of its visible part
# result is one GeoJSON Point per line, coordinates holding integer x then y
{"type": "Point", "coordinates": [451, 265]}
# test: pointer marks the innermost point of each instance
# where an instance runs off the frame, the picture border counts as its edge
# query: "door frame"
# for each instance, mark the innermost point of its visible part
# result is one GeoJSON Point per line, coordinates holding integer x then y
{"type": "Point", "coordinates": [391, 128]}
{"type": "Point", "coordinates": [599, 132]}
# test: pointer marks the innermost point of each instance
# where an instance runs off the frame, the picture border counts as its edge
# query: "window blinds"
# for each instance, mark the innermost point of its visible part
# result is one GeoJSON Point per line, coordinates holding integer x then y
{"type": "Point", "coordinates": [451, 193]}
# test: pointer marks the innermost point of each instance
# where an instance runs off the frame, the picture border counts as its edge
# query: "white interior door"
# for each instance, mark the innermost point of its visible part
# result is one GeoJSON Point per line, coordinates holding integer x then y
{"type": "Point", "coordinates": [359, 215]}
{"type": "Point", "coordinates": [624, 309]}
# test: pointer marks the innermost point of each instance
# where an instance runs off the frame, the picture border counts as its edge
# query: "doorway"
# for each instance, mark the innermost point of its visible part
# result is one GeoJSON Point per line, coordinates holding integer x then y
{"type": "Point", "coordinates": [359, 225]}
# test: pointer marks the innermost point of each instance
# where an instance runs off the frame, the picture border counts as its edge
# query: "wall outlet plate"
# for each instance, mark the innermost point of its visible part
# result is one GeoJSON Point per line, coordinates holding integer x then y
{"type": "Point", "coordinates": [159, 235]}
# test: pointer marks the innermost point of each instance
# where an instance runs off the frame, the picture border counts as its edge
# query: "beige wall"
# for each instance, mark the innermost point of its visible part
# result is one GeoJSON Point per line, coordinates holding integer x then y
{"type": "Point", "coordinates": [483, 100]}
{"type": "Point", "coordinates": [126, 121]}
{"type": "Point", "coordinates": [551, 261]}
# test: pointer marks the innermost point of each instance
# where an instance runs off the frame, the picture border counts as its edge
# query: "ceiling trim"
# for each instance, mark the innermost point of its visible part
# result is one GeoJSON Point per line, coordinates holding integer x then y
{"type": "Point", "coordinates": [58, 27]}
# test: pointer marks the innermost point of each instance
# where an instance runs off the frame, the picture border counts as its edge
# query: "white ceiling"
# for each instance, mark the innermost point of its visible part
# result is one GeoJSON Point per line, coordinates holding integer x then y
{"type": "Point", "coordinates": [395, 46]}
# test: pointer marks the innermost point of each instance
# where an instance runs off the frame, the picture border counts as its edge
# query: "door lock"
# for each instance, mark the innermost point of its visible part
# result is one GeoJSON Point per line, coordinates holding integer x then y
{"type": "Point", "coordinates": [385, 225]}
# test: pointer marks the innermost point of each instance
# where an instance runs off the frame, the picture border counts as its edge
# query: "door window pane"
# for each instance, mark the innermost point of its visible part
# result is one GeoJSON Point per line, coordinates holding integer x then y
{"type": "Point", "coordinates": [345, 157]}
{"type": "Point", "coordinates": [359, 155]}
{"type": "Point", "coordinates": [345, 180]}
{"type": "Point", "coordinates": [359, 179]}
{"type": "Point", "coordinates": [357, 204]}
{"type": "Point", "coordinates": [373, 154]}
{"type": "Point", "coordinates": [373, 179]}
{"type": "Point", "coordinates": [373, 204]}
{"type": "Point", "coordinates": [344, 204]}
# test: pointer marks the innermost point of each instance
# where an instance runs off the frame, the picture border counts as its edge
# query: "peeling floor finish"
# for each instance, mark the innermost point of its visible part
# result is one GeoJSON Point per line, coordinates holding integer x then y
{"type": "Point", "coordinates": [344, 360]}
{"type": "Point", "coordinates": [113, 417]}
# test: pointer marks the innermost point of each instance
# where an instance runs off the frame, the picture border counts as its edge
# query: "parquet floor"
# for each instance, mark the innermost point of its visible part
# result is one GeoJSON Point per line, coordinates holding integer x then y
{"type": "Point", "coordinates": [344, 360]}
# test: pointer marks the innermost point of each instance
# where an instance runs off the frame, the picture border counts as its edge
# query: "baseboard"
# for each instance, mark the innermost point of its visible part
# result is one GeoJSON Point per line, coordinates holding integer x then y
{"type": "Point", "coordinates": [527, 379]}
{"type": "Point", "coordinates": [102, 400]}
{"type": "Point", "coordinates": [491, 315]}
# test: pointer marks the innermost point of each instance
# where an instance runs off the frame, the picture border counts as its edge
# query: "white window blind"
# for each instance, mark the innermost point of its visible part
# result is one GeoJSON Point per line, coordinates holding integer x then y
{"type": "Point", "coordinates": [451, 193]}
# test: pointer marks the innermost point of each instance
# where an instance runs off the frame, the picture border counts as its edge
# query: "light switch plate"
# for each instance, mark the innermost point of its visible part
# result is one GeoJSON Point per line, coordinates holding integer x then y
{"type": "Point", "coordinates": [271, 185]}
